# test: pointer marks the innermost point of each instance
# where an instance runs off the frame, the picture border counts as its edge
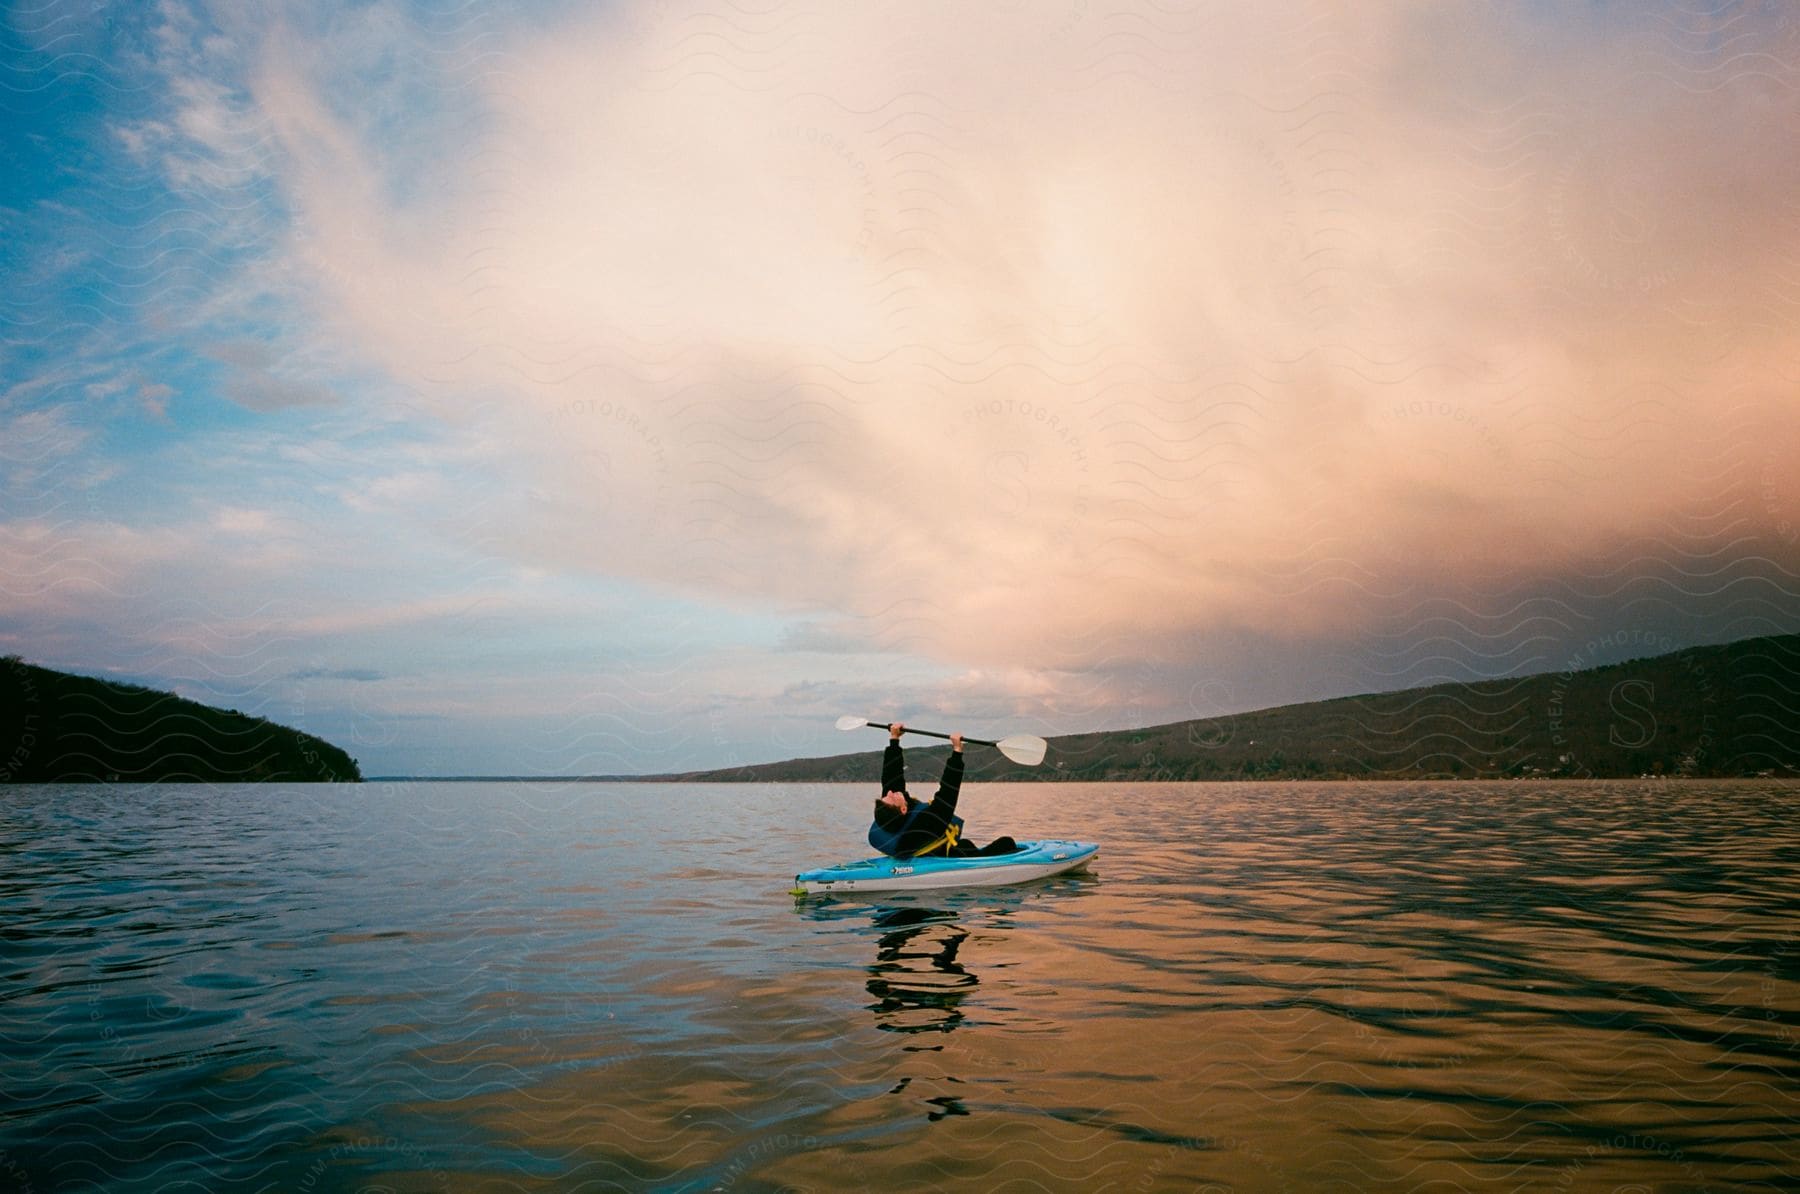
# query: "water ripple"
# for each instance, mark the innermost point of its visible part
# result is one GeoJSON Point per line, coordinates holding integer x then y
{"type": "Point", "coordinates": [1312, 986]}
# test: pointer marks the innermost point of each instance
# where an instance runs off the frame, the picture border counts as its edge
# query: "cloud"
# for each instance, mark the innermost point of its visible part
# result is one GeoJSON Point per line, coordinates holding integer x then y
{"type": "Point", "coordinates": [355, 675]}
{"type": "Point", "coordinates": [1048, 348]}
{"type": "Point", "coordinates": [36, 439]}
{"type": "Point", "coordinates": [239, 521]}
{"type": "Point", "coordinates": [154, 398]}
{"type": "Point", "coordinates": [1077, 349]}
{"type": "Point", "coordinates": [253, 378]}
{"type": "Point", "coordinates": [74, 575]}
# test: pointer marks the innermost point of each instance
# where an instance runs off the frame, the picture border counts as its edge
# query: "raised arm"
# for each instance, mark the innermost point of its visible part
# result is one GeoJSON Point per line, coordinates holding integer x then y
{"type": "Point", "coordinates": [893, 761]}
{"type": "Point", "coordinates": [951, 784]}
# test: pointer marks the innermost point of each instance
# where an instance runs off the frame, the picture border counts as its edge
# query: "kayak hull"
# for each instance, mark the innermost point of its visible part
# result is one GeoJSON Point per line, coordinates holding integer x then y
{"type": "Point", "coordinates": [1034, 860]}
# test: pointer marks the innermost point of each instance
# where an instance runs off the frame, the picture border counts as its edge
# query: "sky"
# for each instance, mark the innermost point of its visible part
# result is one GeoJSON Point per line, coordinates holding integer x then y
{"type": "Point", "coordinates": [553, 388]}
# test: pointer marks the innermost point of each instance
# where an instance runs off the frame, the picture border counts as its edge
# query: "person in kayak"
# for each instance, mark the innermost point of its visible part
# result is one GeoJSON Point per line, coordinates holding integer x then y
{"type": "Point", "coordinates": [907, 828]}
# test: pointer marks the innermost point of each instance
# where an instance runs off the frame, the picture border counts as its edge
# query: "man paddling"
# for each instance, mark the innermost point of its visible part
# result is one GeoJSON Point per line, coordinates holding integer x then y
{"type": "Point", "coordinates": [908, 828]}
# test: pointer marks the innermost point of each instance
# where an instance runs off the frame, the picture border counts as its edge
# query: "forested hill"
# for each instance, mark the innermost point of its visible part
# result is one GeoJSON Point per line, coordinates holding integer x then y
{"type": "Point", "coordinates": [60, 728]}
{"type": "Point", "coordinates": [1730, 710]}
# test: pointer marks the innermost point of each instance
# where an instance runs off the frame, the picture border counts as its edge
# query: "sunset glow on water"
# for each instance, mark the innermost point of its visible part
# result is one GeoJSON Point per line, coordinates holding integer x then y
{"type": "Point", "coordinates": [1577, 986]}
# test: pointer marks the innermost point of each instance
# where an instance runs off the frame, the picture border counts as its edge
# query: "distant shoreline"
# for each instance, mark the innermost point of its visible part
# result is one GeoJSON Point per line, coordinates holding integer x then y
{"type": "Point", "coordinates": [1704, 713]}
{"type": "Point", "coordinates": [1716, 712]}
{"type": "Point", "coordinates": [59, 727]}
{"type": "Point", "coordinates": [855, 783]}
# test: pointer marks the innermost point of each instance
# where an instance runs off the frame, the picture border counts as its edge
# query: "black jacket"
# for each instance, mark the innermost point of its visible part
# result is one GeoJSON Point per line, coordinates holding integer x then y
{"type": "Point", "coordinates": [924, 823]}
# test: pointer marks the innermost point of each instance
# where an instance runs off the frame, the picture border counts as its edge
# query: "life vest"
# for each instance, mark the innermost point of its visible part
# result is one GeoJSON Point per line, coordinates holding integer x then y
{"type": "Point", "coordinates": [888, 840]}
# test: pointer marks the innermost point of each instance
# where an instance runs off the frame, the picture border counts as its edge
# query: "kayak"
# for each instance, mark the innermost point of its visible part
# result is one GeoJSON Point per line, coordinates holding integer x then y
{"type": "Point", "coordinates": [1033, 860]}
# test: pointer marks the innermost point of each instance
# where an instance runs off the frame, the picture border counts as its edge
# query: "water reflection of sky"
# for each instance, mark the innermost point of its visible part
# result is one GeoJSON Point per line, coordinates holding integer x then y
{"type": "Point", "coordinates": [1575, 986]}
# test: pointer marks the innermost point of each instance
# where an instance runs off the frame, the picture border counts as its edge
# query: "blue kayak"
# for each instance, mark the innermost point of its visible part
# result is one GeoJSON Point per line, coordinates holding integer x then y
{"type": "Point", "coordinates": [1033, 860]}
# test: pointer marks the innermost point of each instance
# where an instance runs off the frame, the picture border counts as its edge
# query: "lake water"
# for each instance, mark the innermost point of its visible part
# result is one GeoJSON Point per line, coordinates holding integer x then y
{"type": "Point", "coordinates": [584, 986]}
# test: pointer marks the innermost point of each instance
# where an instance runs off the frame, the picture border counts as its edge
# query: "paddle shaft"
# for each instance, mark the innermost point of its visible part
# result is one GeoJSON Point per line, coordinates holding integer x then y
{"type": "Point", "coordinates": [932, 734]}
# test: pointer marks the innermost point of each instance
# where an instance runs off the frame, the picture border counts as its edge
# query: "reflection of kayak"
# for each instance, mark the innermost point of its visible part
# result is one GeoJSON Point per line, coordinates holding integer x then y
{"type": "Point", "coordinates": [1033, 860]}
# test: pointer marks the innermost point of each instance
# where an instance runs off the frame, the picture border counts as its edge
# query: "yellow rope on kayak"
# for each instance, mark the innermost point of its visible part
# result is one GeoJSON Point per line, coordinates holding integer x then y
{"type": "Point", "coordinates": [948, 842]}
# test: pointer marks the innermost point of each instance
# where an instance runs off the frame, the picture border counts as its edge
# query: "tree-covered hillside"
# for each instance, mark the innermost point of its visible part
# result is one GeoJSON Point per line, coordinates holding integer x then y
{"type": "Point", "coordinates": [1730, 710]}
{"type": "Point", "coordinates": [61, 728]}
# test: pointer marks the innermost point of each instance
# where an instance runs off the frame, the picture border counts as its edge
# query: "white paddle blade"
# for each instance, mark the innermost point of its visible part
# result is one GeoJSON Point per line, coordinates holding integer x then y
{"type": "Point", "coordinates": [1027, 750]}
{"type": "Point", "coordinates": [851, 721]}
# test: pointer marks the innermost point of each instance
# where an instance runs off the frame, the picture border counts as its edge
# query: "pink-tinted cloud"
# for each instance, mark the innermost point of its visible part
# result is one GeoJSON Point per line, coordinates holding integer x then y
{"type": "Point", "coordinates": [1033, 343]}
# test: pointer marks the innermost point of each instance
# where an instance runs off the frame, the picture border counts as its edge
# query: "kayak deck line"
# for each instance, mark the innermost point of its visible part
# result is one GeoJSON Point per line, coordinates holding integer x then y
{"type": "Point", "coordinates": [1033, 860]}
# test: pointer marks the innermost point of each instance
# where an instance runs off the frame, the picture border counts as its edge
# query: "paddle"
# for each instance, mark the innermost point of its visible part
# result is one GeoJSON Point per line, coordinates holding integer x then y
{"type": "Point", "coordinates": [1025, 749]}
